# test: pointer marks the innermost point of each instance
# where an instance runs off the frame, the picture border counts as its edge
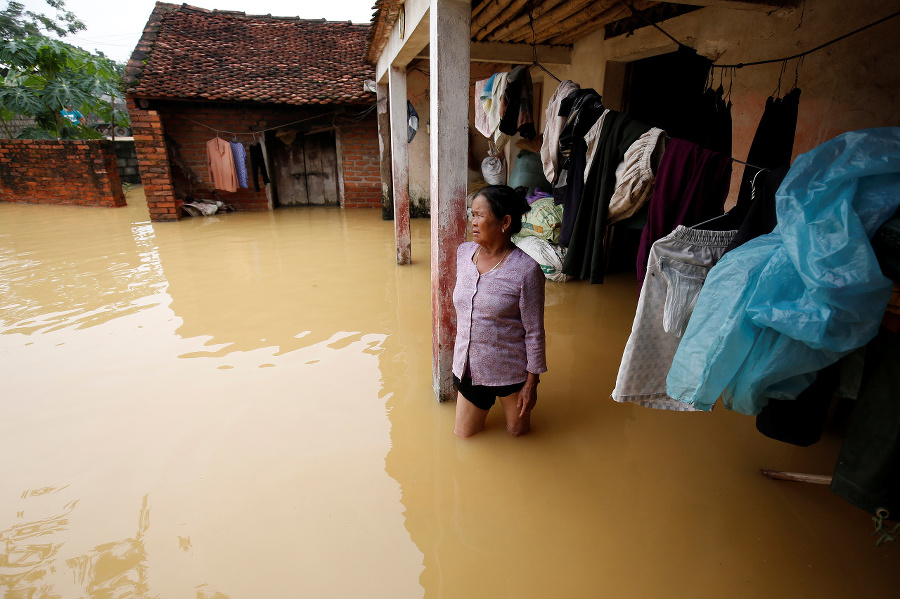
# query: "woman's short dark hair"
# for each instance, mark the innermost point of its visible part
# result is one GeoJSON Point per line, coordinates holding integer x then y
{"type": "Point", "coordinates": [504, 200]}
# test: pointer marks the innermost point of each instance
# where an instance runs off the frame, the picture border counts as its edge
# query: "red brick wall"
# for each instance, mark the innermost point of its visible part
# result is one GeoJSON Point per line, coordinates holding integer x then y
{"type": "Point", "coordinates": [192, 124]}
{"type": "Point", "coordinates": [180, 120]}
{"type": "Point", "coordinates": [146, 126]}
{"type": "Point", "coordinates": [75, 173]}
{"type": "Point", "coordinates": [362, 169]}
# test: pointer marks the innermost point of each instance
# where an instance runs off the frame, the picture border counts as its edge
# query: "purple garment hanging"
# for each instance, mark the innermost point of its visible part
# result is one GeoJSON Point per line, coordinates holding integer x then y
{"type": "Point", "coordinates": [692, 185]}
{"type": "Point", "coordinates": [240, 162]}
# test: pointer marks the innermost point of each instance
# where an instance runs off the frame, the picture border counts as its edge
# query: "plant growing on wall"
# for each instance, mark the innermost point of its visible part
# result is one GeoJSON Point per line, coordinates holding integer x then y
{"type": "Point", "coordinates": [43, 76]}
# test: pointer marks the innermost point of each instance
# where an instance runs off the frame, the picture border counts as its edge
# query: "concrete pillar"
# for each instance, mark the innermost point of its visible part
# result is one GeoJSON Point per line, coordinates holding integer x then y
{"type": "Point", "coordinates": [450, 52]}
{"type": "Point", "coordinates": [399, 160]}
{"type": "Point", "coordinates": [384, 151]}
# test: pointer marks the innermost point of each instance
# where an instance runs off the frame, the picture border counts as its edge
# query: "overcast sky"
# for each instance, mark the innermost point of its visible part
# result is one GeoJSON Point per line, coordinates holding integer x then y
{"type": "Point", "coordinates": [114, 27]}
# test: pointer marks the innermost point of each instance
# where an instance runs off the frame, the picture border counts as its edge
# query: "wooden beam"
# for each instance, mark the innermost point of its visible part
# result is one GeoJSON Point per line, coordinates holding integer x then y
{"type": "Point", "coordinates": [502, 53]}
{"type": "Point", "coordinates": [494, 8]}
{"type": "Point", "coordinates": [399, 161]}
{"type": "Point", "coordinates": [798, 477]}
{"type": "Point", "coordinates": [449, 47]}
{"type": "Point", "coordinates": [519, 53]}
{"type": "Point", "coordinates": [502, 33]}
{"type": "Point", "coordinates": [493, 24]}
{"type": "Point", "coordinates": [551, 17]}
{"type": "Point", "coordinates": [576, 27]}
{"type": "Point", "coordinates": [478, 9]}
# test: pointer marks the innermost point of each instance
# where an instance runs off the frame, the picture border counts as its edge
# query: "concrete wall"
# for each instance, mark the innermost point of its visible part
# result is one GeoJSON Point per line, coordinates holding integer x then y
{"type": "Point", "coordinates": [417, 85]}
{"type": "Point", "coordinates": [851, 85]}
{"type": "Point", "coordinates": [72, 173]}
{"type": "Point", "coordinates": [14, 126]}
{"type": "Point", "coordinates": [420, 148]}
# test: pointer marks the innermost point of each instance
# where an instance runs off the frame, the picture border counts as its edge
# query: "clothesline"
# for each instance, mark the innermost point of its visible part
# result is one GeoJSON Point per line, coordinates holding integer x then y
{"type": "Point", "coordinates": [741, 65]}
{"type": "Point", "coordinates": [355, 118]}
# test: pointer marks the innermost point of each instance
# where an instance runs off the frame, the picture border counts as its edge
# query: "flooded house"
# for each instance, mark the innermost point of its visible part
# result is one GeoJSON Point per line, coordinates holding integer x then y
{"type": "Point", "coordinates": [291, 91]}
{"type": "Point", "coordinates": [740, 52]}
{"type": "Point", "coordinates": [245, 405]}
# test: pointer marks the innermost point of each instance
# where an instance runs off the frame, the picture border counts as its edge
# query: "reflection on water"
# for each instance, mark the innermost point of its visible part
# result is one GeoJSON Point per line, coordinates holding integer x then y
{"type": "Point", "coordinates": [30, 561]}
{"type": "Point", "coordinates": [116, 569]}
{"type": "Point", "coordinates": [263, 382]}
{"type": "Point", "coordinates": [28, 548]}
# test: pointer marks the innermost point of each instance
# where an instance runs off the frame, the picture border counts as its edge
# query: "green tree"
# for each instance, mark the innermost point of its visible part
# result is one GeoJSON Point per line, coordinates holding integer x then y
{"type": "Point", "coordinates": [42, 76]}
{"type": "Point", "coordinates": [18, 23]}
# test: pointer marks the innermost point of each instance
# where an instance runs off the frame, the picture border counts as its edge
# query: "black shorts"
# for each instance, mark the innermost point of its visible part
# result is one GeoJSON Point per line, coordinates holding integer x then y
{"type": "Point", "coordinates": [482, 396]}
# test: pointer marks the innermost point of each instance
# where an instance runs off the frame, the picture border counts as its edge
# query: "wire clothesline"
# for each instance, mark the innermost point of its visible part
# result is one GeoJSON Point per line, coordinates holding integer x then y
{"type": "Point", "coordinates": [741, 65]}
{"type": "Point", "coordinates": [350, 118]}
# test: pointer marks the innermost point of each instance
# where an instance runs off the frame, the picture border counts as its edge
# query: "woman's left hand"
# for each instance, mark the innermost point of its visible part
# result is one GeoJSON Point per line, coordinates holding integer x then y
{"type": "Point", "coordinates": [528, 395]}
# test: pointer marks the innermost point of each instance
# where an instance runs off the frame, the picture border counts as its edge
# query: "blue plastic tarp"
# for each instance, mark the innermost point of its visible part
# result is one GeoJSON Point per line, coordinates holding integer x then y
{"type": "Point", "coordinates": [781, 307]}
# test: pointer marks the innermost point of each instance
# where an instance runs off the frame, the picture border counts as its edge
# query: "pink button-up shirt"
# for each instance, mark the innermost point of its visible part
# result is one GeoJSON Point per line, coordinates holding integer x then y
{"type": "Point", "coordinates": [499, 319]}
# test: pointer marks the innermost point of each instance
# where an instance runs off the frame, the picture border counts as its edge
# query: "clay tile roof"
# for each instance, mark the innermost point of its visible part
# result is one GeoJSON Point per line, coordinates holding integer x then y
{"type": "Point", "coordinates": [386, 14]}
{"type": "Point", "coordinates": [191, 52]}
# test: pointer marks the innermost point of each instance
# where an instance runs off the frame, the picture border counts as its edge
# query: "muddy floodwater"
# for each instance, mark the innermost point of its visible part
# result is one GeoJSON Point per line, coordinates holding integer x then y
{"type": "Point", "coordinates": [240, 407]}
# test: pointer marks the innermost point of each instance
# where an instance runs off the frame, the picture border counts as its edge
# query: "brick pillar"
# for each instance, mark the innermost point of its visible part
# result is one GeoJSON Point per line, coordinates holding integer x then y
{"type": "Point", "coordinates": [450, 53]}
{"type": "Point", "coordinates": [153, 163]}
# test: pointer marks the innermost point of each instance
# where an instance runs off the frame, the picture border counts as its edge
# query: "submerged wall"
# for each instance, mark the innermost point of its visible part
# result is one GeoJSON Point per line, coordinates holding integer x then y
{"type": "Point", "coordinates": [72, 173]}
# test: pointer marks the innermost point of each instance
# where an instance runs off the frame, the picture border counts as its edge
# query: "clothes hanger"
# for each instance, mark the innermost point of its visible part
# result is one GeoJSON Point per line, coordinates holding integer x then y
{"type": "Point", "coordinates": [732, 219]}
{"type": "Point", "coordinates": [759, 168]}
{"type": "Point", "coordinates": [534, 60]}
{"type": "Point", "coordinates": [541, 67]}
{"type": "Point", "coordinates": [729, 221]}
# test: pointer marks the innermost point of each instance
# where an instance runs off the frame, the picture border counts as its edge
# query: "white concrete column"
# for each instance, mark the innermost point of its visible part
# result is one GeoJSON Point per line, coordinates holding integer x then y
{"type": "Point", "coordinates": [449, 55]}
{"type": "Point", "coordinates": [384, 151]}
{"type": "Point", "coordinates": [399, 161]}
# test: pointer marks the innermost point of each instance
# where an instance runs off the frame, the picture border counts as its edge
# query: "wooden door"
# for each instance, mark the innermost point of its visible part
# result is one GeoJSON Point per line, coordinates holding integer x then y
{"type": "Point", "coordinates": [289, 166]}
{"type": "Point", "coordinates": [305, 169]}
{"type": "Point", "coordinates": [321, 168]}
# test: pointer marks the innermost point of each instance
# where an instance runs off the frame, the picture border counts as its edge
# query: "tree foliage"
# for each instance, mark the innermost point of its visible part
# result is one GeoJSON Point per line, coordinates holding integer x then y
{"type": "Point", "coordinates": [41, 76]}
{"type": "Point", "coordinates": [16, 22]}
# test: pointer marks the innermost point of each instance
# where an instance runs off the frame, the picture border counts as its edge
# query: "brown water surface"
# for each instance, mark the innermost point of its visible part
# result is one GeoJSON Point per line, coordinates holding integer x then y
{"type": "Point", "coordinates": [241, 407]}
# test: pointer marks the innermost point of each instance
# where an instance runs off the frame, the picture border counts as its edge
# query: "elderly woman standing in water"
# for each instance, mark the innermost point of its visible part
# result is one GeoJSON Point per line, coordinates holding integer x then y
{"type": "Point", "coordinates": [499, 301]}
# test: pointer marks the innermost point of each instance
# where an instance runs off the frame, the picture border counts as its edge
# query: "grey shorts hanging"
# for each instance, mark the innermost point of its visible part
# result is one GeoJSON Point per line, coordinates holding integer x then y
{"type": "Point", "coordinates": [677, 268]}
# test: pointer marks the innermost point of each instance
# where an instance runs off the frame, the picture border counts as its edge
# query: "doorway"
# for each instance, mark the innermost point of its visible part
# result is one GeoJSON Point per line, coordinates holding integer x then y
{"type": "Point", "coordinates": [666, 91]}
{"type": "Point", "coordinates": [304, 168]}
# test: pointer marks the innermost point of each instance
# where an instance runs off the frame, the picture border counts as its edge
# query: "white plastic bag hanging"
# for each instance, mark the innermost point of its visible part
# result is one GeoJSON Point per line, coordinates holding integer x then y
{"type": "Point", "coordinates": [493, 168]}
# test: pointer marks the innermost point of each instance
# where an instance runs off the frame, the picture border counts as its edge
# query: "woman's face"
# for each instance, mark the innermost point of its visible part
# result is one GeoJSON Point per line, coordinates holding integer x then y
{"type": "Point", "coordinates": [486, 228]}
